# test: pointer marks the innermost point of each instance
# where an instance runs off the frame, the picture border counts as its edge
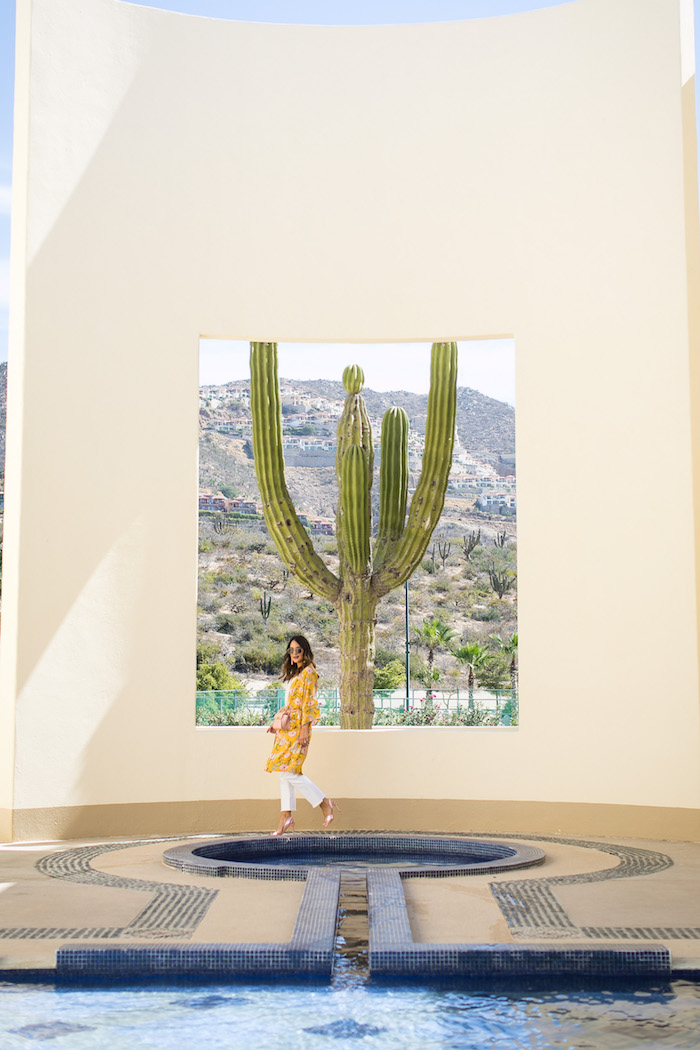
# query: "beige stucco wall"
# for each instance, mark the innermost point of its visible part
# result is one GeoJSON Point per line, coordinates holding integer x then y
{"type": "Point", "coordinates": [180, 177]}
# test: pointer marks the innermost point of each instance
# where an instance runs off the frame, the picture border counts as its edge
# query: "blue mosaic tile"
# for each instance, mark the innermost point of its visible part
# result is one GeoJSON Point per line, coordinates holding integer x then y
{"type": "Point", "coordinates": [529, 906]}
{"type": "Point", "coordinates": [450, 855]}
{"type": "Point", "coordinates": [308, 954]}
{"type": "Point", "coordinates": [393, 952]}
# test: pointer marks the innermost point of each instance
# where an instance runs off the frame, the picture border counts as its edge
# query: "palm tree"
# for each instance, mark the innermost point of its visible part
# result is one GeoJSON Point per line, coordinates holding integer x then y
{"type": "Point", "coordinates": [474, 656]}
{"type": "Point", "coordinates": [434, 634]}
{"type": "Point", "coordinates": [509, 648]}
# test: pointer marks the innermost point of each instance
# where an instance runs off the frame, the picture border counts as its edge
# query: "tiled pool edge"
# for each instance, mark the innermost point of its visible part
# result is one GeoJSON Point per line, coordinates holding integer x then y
{"type": "Point", "coordinates": [394, 954]}
{"type": "Point", "coordinates": [469, 856]}
{"type": "Point", "coordinates": [530, 907]}
{"type": "Point", "coordinates": [308, 954]}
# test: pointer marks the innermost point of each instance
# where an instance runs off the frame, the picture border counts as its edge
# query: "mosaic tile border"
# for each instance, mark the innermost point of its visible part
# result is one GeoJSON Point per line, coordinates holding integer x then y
{"type": "Point", "coordinates": [91, 964]}
{"type": "Point", "coordinates": [308, 955]}
{"type": "Point", "coordinates": [393, 952]}
{"type": "Point", "coordinates": [529, 906]}
{"type": "Point", "coordinates": [175, 911]}
{"type": "Point", "coordinates": [172, 911]}
{"type": "Point", "coordinates": [471, 856]}
{"type": "Point", "coordinates": [531, 909]}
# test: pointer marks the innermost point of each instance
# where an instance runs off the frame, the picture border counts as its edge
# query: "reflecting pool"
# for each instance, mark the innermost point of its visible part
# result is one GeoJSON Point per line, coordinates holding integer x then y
{"type": "Point", "coordinates": [275, 1017]}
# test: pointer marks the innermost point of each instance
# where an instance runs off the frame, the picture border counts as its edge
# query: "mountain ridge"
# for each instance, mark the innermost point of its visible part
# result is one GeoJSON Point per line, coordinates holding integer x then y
{"type": "Point", "coordinates": [484, 424]}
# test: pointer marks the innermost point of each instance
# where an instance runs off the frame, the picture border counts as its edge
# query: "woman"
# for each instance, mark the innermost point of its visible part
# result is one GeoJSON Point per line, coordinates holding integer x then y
{"type": "Point", "coordinates": [291, 745]}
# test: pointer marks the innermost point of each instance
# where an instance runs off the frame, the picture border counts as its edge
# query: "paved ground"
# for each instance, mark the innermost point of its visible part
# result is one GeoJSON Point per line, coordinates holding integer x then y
{"type": "Point", "coordinates": [591, 891]}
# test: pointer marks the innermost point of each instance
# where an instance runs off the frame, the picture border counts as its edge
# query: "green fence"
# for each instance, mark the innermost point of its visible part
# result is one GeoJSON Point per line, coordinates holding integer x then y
{"type": "Point", "coordinates": [217, 705]}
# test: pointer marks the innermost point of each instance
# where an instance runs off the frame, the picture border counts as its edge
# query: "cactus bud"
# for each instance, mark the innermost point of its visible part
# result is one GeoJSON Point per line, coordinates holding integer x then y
{"type": "Point", "coordinates": [353, 379]}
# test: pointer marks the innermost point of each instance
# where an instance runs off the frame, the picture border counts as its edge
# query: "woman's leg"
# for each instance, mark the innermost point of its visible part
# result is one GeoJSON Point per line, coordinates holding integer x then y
{"type": "Point", "coordinates": [288, 795]}
{"type": "Point", "coordinates": [288, 803]}
{"type": "Point", "coordinates": [301, 782]}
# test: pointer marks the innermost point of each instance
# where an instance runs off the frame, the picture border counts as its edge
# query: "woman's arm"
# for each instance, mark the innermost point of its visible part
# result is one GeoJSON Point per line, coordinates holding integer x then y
{"type": "Point", "coordinates": [304, 733]}
{"type": "Point", "coordinates": [310, 711]}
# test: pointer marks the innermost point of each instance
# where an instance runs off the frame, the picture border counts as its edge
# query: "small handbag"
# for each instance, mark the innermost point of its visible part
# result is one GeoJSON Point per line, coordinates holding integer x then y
{"type": "Point", "coordinates": [282, 720]}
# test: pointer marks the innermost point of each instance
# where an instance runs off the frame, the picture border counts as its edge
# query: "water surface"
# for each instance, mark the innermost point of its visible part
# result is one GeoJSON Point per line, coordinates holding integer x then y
{"type": "Point", "coordinates": [351, 1015]}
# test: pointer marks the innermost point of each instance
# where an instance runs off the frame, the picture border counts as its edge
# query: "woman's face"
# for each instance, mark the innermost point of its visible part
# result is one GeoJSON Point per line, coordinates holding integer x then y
{"type": "Point", "coordinates": [296, 653]}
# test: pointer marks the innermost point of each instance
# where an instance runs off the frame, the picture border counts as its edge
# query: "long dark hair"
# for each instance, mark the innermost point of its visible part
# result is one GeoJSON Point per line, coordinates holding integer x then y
{"type": "Point", "coordinates": [289, 670]}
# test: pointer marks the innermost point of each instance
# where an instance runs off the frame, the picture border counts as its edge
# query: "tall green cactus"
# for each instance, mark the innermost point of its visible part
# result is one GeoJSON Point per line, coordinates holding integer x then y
{"type": "Point", "coordinates": [367, 572]}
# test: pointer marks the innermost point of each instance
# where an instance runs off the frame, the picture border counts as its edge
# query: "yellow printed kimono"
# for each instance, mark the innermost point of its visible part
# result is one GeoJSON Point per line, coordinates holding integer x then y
{"type": "Point", "coordinates": [287, 756]}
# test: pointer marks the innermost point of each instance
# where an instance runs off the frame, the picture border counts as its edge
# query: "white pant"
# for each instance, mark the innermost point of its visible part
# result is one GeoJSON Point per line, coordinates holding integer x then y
{"type": "Point", "coordinates": [289, 782]}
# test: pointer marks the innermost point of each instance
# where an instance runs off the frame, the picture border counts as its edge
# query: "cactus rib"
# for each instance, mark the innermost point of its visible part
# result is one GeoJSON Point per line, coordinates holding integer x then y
{"type": "Point", "coordinates": [353, 429]}
{"type": "Point", "coordinates": [355, 509]}
{"type": "Point", "coordinates": [429, 497]}
{"type": "Point", "coordinates": [393, 483]}
{"type": "Point", "coordinates": [289, 535]}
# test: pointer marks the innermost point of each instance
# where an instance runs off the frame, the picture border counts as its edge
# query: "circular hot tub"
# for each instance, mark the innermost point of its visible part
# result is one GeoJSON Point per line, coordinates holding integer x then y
{"type": "Point", "coordinates": [291, 856]}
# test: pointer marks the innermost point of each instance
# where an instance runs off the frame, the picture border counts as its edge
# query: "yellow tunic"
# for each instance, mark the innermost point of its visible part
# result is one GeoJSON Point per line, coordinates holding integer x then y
{"type": "Point", "coordinates": [287, 756]}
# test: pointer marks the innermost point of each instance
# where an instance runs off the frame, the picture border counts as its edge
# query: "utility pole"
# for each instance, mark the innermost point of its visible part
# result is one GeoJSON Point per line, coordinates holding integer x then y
{"type": "Point", "coordinates": [408, 657]}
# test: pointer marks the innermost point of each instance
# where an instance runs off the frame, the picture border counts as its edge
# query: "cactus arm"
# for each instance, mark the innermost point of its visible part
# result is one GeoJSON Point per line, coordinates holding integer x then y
{"type": "Point", "coordinates": [289, 535]}
{"type": "Point", "coordinates": [393, 483]}
{"type": "Point", "coordinates": [429, 497]}
{"type": "Point", "coordinates": [355, 509]}
{"type": "Point", "coordinates": [354, 429]}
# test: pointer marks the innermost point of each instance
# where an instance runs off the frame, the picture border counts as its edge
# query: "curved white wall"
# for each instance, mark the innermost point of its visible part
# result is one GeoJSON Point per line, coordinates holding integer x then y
{"type": "Point", "coordinates": [178, 177]}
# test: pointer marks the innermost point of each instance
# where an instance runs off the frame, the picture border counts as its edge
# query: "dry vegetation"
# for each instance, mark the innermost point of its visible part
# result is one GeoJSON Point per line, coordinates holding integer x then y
{"type": "Point", "coordinates": [239, 567]}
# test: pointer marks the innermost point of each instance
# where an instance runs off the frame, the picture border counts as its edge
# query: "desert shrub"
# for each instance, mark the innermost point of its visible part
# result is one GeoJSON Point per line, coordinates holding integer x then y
{"type": "Point", "coordinates": [257, 546]}
{"type": "Point", "coordinates": [390, 676]}
{"type": "Point", "coordinates": [224, 577]}
{"type": "Point", "coordinates": [277, 631]}
{"type": "Point", "coordinates": [485, 615]}
{"type": "Point", "coordinates": [235, 624]}
{"type": "Point", "coordinates": [495, 674]}
{"type": "Point", "coordinates": [215, 676]}
{"type": "Point", "coordinates": [209, 603]}
{"type": "Point", "coordinates": [426, 712]}
{"type": "Point", "coordinates": [420, 675]}
{"type": "Point", "coordinates": [208, 653]}
{"type": "Point", "coordinates": [232, 718]}
{"type": "Point", "coordinates": [383, 656]}
{"type": "Point", "coordinates": [260, 656]}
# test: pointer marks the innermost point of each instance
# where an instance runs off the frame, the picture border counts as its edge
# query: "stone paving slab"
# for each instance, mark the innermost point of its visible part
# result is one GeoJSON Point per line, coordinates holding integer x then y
{"type": "Point", "coordinates": [587, 893]}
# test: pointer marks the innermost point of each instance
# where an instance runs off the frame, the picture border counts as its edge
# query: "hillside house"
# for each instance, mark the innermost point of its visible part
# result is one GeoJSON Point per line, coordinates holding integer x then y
{"type": "Point", "coordinates": [496, 501]}
{"type": "Point", "coordinates": [208, 501]}
{"type": "Point", "coordinates": [322, 526]}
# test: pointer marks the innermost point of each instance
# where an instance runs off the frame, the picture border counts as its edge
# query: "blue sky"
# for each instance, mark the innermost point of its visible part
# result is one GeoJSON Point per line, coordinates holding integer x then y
{"type": "Point", "coordinates": [491, 364]}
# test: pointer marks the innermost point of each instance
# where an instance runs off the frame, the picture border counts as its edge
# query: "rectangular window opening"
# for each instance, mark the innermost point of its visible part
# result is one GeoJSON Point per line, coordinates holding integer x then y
{"type": "Point", "coordinates": [458, 612]}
